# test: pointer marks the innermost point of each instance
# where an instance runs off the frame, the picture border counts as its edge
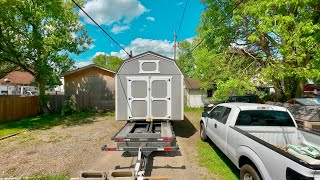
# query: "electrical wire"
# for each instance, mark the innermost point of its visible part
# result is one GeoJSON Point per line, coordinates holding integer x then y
{"type": "Point", "coordinates": [184, 10]}
{"type": "Point", "coordinates": [228, 14]}
{"type": "Point", "coordinates": [100, 27]}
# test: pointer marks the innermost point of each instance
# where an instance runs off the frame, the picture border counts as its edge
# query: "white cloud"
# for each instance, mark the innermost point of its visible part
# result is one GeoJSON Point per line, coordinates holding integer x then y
{"type": "Point", "coordinates": [91, 46]}
{"type": "Point", "coordinates": [73, 35]}
{"type": "Point", "coordinates": [116, 29]}
{"type": "Point", "coordinates": [149, 18]}
{"type": "Point", "coordinates": [99, 53]}
{"type": "Point", "coordinates": [82, 64]}
{"type": "Point", "coordinates": [190, 40]}
{"type": "Point", "coordinates": [139, 45]}
{"type": "Point", "coordinates": [110, 11]}
{"type": "Point", "coordinates": [179, 3]}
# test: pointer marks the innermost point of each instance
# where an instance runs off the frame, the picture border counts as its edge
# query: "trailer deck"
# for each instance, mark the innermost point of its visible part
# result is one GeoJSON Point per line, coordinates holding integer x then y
{"type": "Point", "coordinates": [139, 139]}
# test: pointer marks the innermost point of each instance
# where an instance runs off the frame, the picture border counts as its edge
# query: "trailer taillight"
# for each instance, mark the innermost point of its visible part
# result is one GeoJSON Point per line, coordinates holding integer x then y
{"type": "Point", "coordinates": [119, 139]}
{"type": "Point", "coordinates": [167, 139]}
{"type": "Point", "coordinates": [111, 149]}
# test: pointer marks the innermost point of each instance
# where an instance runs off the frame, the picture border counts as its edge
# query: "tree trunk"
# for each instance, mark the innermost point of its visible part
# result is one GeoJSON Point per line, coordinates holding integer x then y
{"type": "Point", "coordinates": [279, 93]}
{"type": "Point", "coordinates": [44, 109]}
{"type": "Point", "coordinates": [299, 88]}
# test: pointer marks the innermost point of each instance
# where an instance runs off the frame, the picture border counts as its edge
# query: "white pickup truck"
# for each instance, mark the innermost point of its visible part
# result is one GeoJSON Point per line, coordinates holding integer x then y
{"type": "Point", "coordinates": [250, 136]}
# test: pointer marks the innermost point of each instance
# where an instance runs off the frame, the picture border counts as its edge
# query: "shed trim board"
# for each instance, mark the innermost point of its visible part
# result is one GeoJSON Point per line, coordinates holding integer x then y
{"type": "Point", "coordinates": [149, 97]}
{"type": "Point", "coordinates": [116, 96]}
{"type": "Point", "coordinates": [148, 61]}
{"type": "Point", "coordinates": [154, 54]}
{"type": "Point", "coordinates": [182, 95]}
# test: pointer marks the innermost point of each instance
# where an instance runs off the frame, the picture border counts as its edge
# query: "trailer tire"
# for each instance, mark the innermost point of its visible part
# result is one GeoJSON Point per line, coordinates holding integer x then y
{"type": "Point", "coordinates": [249, 172]}
{"type": "Point", "coordinates": [203, 134]}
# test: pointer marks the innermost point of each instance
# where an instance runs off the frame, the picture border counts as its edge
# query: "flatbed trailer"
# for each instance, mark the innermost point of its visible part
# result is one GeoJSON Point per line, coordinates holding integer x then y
{"type": "Point", "coordinates": [139, 139]}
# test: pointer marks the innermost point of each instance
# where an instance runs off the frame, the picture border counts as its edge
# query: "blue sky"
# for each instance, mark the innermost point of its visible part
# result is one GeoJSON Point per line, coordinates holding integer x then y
{"type": "Point", "coordinates": [138, 25]}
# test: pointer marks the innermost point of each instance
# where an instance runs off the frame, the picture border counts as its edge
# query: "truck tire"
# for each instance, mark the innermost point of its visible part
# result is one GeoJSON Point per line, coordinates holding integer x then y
{"type": "Point", "coordinates": [203, 134]}
{"type": "Point", "coordinates": [247, 172]}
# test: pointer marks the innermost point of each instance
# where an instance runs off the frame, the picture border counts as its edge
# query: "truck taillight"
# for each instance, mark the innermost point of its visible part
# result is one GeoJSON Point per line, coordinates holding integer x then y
{"type": "Point", "coordinates": [167, 149]}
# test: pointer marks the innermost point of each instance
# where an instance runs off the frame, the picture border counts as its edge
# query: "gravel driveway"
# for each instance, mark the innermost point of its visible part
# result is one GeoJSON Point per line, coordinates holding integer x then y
{"type": "Point", "coordinates": [71, 149]}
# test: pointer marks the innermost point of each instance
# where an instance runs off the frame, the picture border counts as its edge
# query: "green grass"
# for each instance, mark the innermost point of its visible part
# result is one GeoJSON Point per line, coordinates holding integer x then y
{"type": "Point", "coordinates": [216, 162]}
{"type": "Point", "coordinates": [47, 122]}
{"type": "Point", "coordinates": [49, 177]}
{"type": "Point", "coordinates": [196, 110]}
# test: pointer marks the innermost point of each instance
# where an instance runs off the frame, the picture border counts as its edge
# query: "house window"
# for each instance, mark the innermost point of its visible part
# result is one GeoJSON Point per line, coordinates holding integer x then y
{"type": "Point", "coordinates": [209, 93]}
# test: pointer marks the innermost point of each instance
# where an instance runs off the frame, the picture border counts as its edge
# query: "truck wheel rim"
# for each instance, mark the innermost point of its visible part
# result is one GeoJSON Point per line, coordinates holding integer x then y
{"type": "Point", "coordinates": [201, 131]}
{"type": "Point", "coordinates": [248, 176]}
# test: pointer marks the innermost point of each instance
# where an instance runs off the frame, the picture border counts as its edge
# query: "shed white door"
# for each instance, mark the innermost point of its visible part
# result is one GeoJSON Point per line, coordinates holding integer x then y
{"type": "Point", "coordinates": [149, 97]}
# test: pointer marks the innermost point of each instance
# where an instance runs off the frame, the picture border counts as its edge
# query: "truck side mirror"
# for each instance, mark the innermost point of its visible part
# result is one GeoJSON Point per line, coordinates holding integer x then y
{"type": "Point", "coordinates": [205, 114]}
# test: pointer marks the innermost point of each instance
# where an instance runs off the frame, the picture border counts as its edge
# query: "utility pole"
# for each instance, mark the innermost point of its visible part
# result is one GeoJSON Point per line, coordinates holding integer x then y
{"type": "Point", "coordinates": [174, 45]}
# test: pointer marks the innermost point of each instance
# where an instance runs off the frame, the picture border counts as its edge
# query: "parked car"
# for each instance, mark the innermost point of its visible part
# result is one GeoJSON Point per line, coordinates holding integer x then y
{"type": "Point", "coordinates": [255, 137]}
{"type": "Point", "coordinates": [245, 99]}
{"type": "Point", "coordinates": [30, 93]}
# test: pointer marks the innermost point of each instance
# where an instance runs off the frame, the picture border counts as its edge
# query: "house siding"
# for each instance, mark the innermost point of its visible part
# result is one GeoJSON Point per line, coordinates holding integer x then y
{"type": "Point", "coordinates": [195, 98]}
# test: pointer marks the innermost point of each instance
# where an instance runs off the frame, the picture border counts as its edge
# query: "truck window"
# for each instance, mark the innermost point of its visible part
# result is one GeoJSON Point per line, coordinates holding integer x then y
{"type": "Point", "coordinates": [225, 115]}
{"type": "Point", "coordinates": [264, 118]}
{"type": "Point", "coordinates": [216, 113]}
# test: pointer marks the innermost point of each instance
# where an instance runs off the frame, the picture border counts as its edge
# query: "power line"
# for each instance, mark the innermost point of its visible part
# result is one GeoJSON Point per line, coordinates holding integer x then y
{"type": "Point", "coordinates": [100, 27]}
{"type": "Point", "coordinates": [228, 14]}
{"type": "Point", "coordinates": [184, 10]}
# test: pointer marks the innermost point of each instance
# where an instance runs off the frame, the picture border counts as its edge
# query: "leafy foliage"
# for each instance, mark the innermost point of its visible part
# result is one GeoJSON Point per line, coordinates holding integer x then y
{"type": "Point", "coordinates": [70, 105]}
{"type": "Point", "coordinates": [109, 62]}
{"type": "Point", "coordinates": [37, 36]}
{"type": "Point", "coordinates": [186, 60]}
{"type": "Point", "coordinates": [278, 40]}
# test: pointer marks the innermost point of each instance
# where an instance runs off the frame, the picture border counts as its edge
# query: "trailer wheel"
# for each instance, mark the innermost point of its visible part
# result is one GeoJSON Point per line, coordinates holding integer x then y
{"type": "Point", "coordinates": [203, 134]}
{"type": "Point", "coordinates": [247, 172]}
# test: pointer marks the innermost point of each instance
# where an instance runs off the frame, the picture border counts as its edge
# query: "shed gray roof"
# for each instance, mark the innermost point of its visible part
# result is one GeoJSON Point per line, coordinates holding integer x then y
{"type": "Point", "coordinates": [149, 52]}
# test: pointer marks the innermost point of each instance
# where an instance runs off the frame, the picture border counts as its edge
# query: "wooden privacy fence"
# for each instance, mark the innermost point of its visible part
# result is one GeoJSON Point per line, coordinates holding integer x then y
{"type": "Point", "coordinates": [17, 107]}
{"type": "Point", "coordinates": [82, 102]}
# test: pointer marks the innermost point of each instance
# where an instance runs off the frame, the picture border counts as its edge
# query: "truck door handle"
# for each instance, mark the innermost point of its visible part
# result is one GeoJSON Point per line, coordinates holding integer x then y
{"type": "Point", "coordinates": [215, 125]}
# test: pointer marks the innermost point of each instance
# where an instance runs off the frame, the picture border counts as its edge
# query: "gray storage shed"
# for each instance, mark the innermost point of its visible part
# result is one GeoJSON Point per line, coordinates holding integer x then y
{"type": "Point", "coordinates": [149, 86]}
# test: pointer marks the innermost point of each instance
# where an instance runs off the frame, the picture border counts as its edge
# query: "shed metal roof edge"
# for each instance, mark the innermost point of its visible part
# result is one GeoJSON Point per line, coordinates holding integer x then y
{"type": "Point", "coordinates": [150, 52]}
{"type": "Point", "coordinates": [88, 66]}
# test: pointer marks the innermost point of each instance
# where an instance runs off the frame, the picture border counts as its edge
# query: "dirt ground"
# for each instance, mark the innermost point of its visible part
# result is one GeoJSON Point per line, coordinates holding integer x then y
{"type": "Point", "coordinates": [71, 149]}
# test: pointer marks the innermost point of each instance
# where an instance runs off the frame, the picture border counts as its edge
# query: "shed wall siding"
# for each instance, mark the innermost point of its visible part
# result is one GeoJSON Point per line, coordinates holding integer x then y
{"type": "Point", "coordinates": [96, 84]}
{"type": "Point", "coordinates": [166, 68]}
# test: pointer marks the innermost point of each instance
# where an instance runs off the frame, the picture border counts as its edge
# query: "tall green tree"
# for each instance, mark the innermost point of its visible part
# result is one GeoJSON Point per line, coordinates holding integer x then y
{"type": "Point", "coordinates": [281, 36]}
{"type": "Point", "coordinates": [186, 60]}
{"type": "Point", "coordinates": [110, 62]}
{"type": "Point", "coordinates": [38, 36]}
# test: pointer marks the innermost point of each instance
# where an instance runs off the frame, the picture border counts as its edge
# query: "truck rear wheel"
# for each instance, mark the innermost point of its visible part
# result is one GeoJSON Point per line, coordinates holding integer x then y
{"type": "Point", "coordinates": [203, 134]}
{"type": "Point", "coordinates": [247, 172]}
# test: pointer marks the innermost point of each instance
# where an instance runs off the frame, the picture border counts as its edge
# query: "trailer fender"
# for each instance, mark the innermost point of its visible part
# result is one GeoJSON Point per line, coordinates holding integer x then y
{"type": "Point", "coordinates": [245, 153]}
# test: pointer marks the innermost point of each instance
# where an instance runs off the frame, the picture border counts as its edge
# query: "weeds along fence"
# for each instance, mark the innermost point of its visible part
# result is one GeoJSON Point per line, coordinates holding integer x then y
{"type": "Point", "coordinates": [16, 107]}
{"type": "Point", "coordinates": [82, 102]}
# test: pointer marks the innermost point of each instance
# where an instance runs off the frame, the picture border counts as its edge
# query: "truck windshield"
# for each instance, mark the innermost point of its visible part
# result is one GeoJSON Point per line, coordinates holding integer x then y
{"type": "Point", "coordinates": [264, 118]}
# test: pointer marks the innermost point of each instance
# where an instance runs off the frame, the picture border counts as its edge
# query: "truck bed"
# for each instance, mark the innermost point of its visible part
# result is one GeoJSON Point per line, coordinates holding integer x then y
{"type": "Point", "coordinates": [276, 135]}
